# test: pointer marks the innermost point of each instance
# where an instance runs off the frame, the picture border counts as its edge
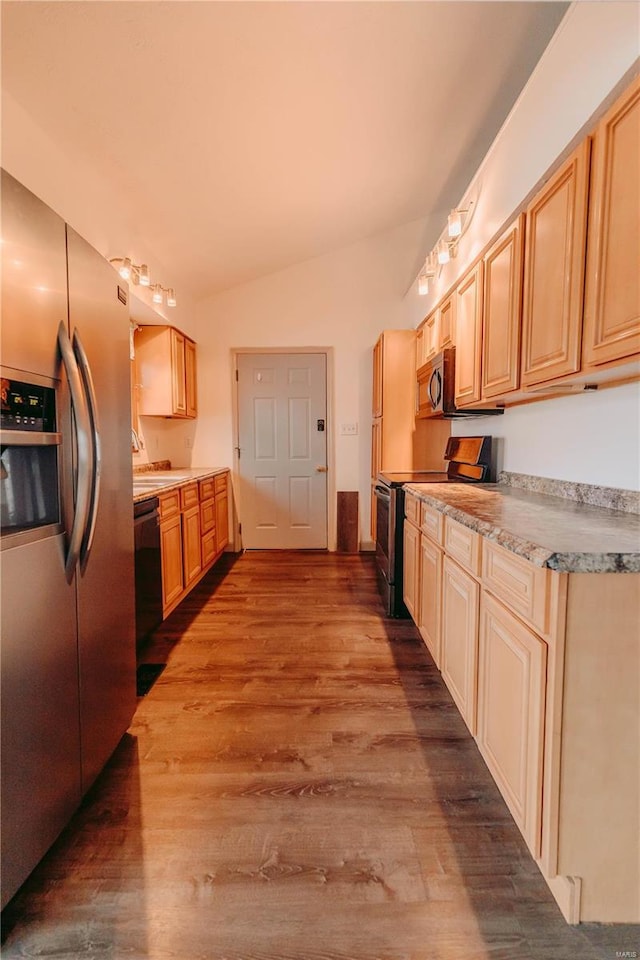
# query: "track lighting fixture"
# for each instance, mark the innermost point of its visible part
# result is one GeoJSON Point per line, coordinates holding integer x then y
{"type": "Point", "coordinates": [139, 274]}
{"type": "Point", "coordinates": [428, 274]}
{"type": "Point", "coordinates": [447, 246]}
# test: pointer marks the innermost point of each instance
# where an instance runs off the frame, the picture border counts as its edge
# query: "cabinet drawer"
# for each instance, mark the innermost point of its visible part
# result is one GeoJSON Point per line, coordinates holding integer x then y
{"type": "Point", "coordinates": [207, 515]}
{"type": "Point", "coordinates": [221, 483]}
{"type": "Point", "coordinates": [412, 509]}
{"type": "Point", "coordinates": [189, 495]}
{"type": "Point", "coordinates": [169, 504]}
{"type": "Point", "coordinates": [525, 588]}
{"type": "Point", "coordinates": [207, 489]}
{"type": "Point", "coordinates": [432, 523]}
{"type": "Point", "coordinates": [463, 545]}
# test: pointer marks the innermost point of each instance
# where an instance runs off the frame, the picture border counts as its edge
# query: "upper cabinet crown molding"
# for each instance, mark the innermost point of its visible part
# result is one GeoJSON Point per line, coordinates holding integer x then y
{"type": "Point", "coordinates": [612, 295]}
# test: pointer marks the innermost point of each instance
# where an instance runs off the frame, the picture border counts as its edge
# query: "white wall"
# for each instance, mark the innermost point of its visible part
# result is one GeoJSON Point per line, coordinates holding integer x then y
{"type": "Point", "coordinates": [588, 438]}
{"type": "Point", "coordinates": [342, 300]}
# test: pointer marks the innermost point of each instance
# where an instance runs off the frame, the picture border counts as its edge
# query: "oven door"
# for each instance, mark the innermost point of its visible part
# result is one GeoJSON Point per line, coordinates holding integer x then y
{"type": "Point", "coordinates": [384, 540]}
{"type": "Point", "coordinates": [389, 518]}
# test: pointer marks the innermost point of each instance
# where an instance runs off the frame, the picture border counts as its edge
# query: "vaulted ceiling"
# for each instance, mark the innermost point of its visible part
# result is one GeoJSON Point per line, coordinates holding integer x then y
{"type": "Point", "coordinates": [248, 136]}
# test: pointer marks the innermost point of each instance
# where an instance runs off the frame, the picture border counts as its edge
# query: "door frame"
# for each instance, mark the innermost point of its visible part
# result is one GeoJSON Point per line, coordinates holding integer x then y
{"type": "Point", "coordinates": [329, 430]}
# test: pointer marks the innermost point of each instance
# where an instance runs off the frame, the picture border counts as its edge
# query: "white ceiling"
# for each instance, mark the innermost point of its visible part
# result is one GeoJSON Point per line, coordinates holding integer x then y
{"type": "Point", "coordinates": [250, 136]}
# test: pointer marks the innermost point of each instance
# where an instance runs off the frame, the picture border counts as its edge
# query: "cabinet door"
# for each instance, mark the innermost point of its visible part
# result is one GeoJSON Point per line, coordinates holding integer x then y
{"type": "Point", "coordinates": [207, 515]}
{"type": "Point", "coordinates": [376, 448]}
{"type": "Point", "coordinates": [178, 373]}
{"type": "Point", "coordinates": [511, 701]}
{"type": "Point", "coordinates": [446, 326]}
{"type": "Point", "coordinates": [411, 558]}
{"type": "Point", "coordinates": [222, 521]}
{"type": "Point", "coordinates": [430, 600]}
{"type": "Point", "coordinates": [191, 544]}
{"type": "Point", "coordinates": [459, 659]}
{"type": "Point", "coordinates": [502, 312]}
{"type": "Point", "coordinates": [612, 297]}
{"type": "Point", "coordinates": [431, 336]}
{"type": "Point", "coordinates": [420, 351]}
{"type": "Point", "coordinates": [469, 337]}
{"type": "Point", "coordinates": [377, 379]}
{"type": "Point", "coordinates": [554, 257]}
{"type": "Point", "coordinates": [191, 383]}
{"type": "Point", "coordinates": [171, 553]}
{"type": "Point", "coordinates": [208, 547]}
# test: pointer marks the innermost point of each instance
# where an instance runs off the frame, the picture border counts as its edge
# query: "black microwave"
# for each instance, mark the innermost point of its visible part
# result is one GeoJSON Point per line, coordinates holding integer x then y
{"type": "Point", "coordinates": [435, 392]}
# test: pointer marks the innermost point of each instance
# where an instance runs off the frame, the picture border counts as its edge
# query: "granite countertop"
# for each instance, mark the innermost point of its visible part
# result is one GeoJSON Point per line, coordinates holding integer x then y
{"type": "Point", "coordinates": [153, 482]}
{"type": "Point", "coordinates": [549, 531]}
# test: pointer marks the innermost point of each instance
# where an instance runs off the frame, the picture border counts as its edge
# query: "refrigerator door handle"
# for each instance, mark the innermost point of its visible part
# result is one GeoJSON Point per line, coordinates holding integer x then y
{"type": "Point", "coordinates": [83, 446]}
{"type": "Point", "coordinates": [92, 406]}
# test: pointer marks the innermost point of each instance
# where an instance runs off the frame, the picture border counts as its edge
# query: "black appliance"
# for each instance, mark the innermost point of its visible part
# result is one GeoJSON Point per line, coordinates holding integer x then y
{"type": "Point", "coordinates": [436, 390]}
{"type": "Point", "coordinates": [469, 461]}
{"type": "Point", "coordinates": [146, 527]}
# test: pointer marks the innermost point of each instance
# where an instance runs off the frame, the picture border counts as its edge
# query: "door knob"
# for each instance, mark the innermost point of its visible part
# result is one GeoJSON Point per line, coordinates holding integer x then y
{"type": "Point", "coordinates": [321, 469]}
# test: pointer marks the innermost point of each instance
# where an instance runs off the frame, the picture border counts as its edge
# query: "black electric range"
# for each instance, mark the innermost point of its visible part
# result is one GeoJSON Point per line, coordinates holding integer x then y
{"type": "Point", "coordinates": [469, 461]}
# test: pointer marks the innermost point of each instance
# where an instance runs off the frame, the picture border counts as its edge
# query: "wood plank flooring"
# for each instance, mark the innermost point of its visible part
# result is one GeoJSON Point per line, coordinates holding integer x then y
{"type": "Point", "coordinates": [296, 786]}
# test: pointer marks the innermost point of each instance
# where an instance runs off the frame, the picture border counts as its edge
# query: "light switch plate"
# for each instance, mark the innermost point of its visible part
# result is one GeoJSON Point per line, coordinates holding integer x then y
{"type": "Point", "coordinates": [348, 429]}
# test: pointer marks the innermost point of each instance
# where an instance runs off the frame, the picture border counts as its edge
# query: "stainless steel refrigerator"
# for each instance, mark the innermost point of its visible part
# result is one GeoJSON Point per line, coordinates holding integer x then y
{"type": "Point", "coordinates": [67, 562]}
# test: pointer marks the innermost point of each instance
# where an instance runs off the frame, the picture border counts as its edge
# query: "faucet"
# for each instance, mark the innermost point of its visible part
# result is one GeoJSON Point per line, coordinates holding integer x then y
{"type": "Point", "coordinates": [136, 442]}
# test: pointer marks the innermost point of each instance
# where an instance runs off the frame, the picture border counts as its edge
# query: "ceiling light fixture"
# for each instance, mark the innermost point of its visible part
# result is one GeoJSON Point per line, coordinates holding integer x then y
{"type": "Point", "coordinates": [429, 272]}
{"type": "Point", "coordinates": [447, 246]}
{"type": "Point", "coordinates": [444, 251]}
{"type": "Point", "coordinates": [139, 274]}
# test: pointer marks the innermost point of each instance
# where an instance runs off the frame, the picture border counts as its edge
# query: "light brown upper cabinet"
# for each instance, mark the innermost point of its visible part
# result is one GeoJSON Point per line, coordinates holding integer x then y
{"type": "Point", "coordinates": [437, 331]}
{"type": "Point", "coordinates": [447, 323]}
{"type": "Point", "coordinates": [166, 363]}
{"type": "Point", "coordinates": [612, 294]}
{"type": "Point", "coordinates": [191, 382]}
{"type": "Point", "coordinates": [394, 359]}
{"type": "Point", "coordinates": [468, 336]}
{"type": "Point", "coordinates": [555, 243]}
{"type": "Point", "coordinates": [502, 312]}
{"type": "Point", "coordinates": [431, 336]}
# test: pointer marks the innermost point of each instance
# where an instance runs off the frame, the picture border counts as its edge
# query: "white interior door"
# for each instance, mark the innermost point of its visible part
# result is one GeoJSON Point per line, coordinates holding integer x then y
{"type": "Point", "coordinates": [282, 416]}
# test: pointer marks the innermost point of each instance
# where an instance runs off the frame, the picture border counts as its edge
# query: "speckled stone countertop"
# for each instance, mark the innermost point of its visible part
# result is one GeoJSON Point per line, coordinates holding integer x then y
{"type": "Point", "coordinates": [549, 531]}
{"type": "Point", "coordinates": [152, 482]}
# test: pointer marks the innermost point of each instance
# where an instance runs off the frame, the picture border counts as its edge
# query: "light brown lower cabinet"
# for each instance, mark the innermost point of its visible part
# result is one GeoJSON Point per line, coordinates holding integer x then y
{"type": "Point", "coordinates": [171, 553]}
{"type": "Point", "coordinates": [430, 596]}
{"type": "Point", "coordinates": [194, 530]}
{"type": "Point", "coordinates": [459, 661]}
{"type": "Point", "coordinates": [222, 521]}
{"type": "Point", "coordinates": [411, 548]}
{"type": "Point", "coordinates": [207, 527]}
{"type": "Point", "coordinates": [191, 545]}
{"type": "Point", "coordinates": [544, 669]}
{"type": "Point", "coordinates": [512, 665]}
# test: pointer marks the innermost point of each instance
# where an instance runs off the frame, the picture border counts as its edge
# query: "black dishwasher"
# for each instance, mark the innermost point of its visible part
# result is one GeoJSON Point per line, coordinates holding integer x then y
{"type": "Point", "coordinates": [146, 527]}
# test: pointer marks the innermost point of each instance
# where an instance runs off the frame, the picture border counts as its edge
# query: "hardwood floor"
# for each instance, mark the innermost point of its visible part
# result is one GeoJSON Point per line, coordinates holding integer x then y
{"type": "Point", "coordinates": [296, 786]}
